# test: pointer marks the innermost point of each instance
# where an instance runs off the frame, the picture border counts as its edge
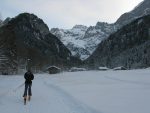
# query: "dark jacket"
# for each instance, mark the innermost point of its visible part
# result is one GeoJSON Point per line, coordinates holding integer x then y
{"type": "Point", "coordinates": [28, 77]}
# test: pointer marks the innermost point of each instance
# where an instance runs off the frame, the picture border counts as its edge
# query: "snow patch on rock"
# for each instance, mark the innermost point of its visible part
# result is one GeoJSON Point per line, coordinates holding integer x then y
{"type": "Point", "coordinates": [82, 40]}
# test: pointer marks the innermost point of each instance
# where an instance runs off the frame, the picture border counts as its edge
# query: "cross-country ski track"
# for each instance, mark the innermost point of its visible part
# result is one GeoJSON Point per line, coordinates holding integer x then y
{"type": "Point", "coordinates": [47, 98]}
{"type": "Point", "coordinates": [79, 92]}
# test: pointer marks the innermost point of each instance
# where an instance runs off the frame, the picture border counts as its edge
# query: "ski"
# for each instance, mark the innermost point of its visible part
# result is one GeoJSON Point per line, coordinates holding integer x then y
{"type": "Point", "coordinates": [29, 98]}
{"type": "Point", "coordinates": [25, 100]}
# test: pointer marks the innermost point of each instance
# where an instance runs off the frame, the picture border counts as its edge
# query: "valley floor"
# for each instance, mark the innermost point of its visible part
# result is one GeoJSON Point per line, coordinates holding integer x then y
{"type": "Point", "coordinates": [79, 92]}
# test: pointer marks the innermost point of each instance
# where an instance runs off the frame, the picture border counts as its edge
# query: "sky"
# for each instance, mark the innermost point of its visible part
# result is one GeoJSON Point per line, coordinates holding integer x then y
{"type": "Point", "coordinates": [67, 13]}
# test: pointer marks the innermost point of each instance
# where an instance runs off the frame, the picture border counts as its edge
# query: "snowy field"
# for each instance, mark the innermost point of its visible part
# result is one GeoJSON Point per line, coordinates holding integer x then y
{"type": "Point", "coordinates": [79, 92]}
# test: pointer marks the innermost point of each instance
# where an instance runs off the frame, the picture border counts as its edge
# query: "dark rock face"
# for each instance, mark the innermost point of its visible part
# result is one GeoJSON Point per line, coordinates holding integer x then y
{"type": "Point", "coordinates": [28, 37]}
{"type": "Point", "coordinates": [142, 9]}
{"type": "Point", "coordinates": [128, 47]}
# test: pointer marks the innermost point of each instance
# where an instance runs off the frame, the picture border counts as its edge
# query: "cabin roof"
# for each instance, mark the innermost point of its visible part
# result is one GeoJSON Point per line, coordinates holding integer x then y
{"type": "Point", "coordinates": [53, 67]}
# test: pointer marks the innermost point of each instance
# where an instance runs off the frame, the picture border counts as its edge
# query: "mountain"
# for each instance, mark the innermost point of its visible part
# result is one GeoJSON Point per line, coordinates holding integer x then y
{"type": "Point", "coordinates": [142, 9]}
{"type": "Point", "coordinates": [82, 40]}
{"type": "Point", "coordinates": [128, 47]}
{"type": "Point", "coordinates": [6, 20]}
{"type": "Point", "coordinates": [73, 39]}
{"type": "Point", "coordinates": [85, 41]}
{"type": "Point", "coordinates": [95, 34]}
{"type": "Point", "coordinates": [28, 37]}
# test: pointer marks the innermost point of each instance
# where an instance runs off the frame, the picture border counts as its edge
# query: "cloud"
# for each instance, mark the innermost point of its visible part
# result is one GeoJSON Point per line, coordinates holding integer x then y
{"type": "Point", "coordinates": [66, 13]}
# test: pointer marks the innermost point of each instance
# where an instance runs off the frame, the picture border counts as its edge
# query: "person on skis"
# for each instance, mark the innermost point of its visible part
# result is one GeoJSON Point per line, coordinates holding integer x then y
{"type": "Point", "coordinates": [28, 83]}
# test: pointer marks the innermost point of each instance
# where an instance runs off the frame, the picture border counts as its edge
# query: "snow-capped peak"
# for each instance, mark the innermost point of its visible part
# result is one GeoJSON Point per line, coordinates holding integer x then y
{"type": "Point", "coordinates": [82, 40]}
{"type": "Point", "coordinates": [80, 27]}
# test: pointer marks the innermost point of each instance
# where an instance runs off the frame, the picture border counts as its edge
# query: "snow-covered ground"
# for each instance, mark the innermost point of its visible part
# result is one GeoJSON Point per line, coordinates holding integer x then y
{"type": "Point", "coordinates": [79, 92]}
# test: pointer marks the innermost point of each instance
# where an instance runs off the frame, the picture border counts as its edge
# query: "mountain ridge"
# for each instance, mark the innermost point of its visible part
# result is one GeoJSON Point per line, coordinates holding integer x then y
{"type": "Point", "coordinates": [83, 40]}
{"type": "Point", "coordinates": [95, 34]}
{"type": "Point", "coordinates": [128, 47]}
{"type": "Point", "coordinates": [143, 8]}
{"type": "Point", "coordinates": [27, 37]}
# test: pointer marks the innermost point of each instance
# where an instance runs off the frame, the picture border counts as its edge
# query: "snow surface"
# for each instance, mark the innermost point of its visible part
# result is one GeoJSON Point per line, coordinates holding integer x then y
{"type": "Point", "coordinates": [79, 92]}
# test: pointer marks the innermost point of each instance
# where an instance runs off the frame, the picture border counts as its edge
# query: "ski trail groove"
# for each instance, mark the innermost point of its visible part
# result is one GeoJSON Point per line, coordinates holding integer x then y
{"type": "Point", "coordinates": [74, 104]}
{"type": "Point", "coordinates": [11, 90]}
{"type": "Point", "coordinates": [127, 81]}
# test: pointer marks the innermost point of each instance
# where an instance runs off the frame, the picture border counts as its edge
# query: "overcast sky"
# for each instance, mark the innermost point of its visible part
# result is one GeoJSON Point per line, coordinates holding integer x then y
{"type": "Point", "coordinates": [67, 13]}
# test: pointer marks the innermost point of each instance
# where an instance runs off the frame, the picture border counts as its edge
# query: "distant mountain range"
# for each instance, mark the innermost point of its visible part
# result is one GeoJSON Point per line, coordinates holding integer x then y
{"type": "Point", "coordinates": [82, 40]}
{"type": "Point", "coordinates": [27, 42]}
{"type": "Point", "coordinates": [85, 41]}
{"type": "Point", "coordinates": [73, 39]}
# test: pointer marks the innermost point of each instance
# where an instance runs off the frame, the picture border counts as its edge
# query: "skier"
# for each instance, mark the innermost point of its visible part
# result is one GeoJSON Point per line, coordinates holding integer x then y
{"type": "Point", "coordinates": [28, 83]}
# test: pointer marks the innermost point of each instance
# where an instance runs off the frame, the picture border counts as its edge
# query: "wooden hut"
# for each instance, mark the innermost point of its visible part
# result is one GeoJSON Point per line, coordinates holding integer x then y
{"type": "Point", "coordinates": [53, 69]}
{"type": "Point", "coordinates": [120, 68]}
